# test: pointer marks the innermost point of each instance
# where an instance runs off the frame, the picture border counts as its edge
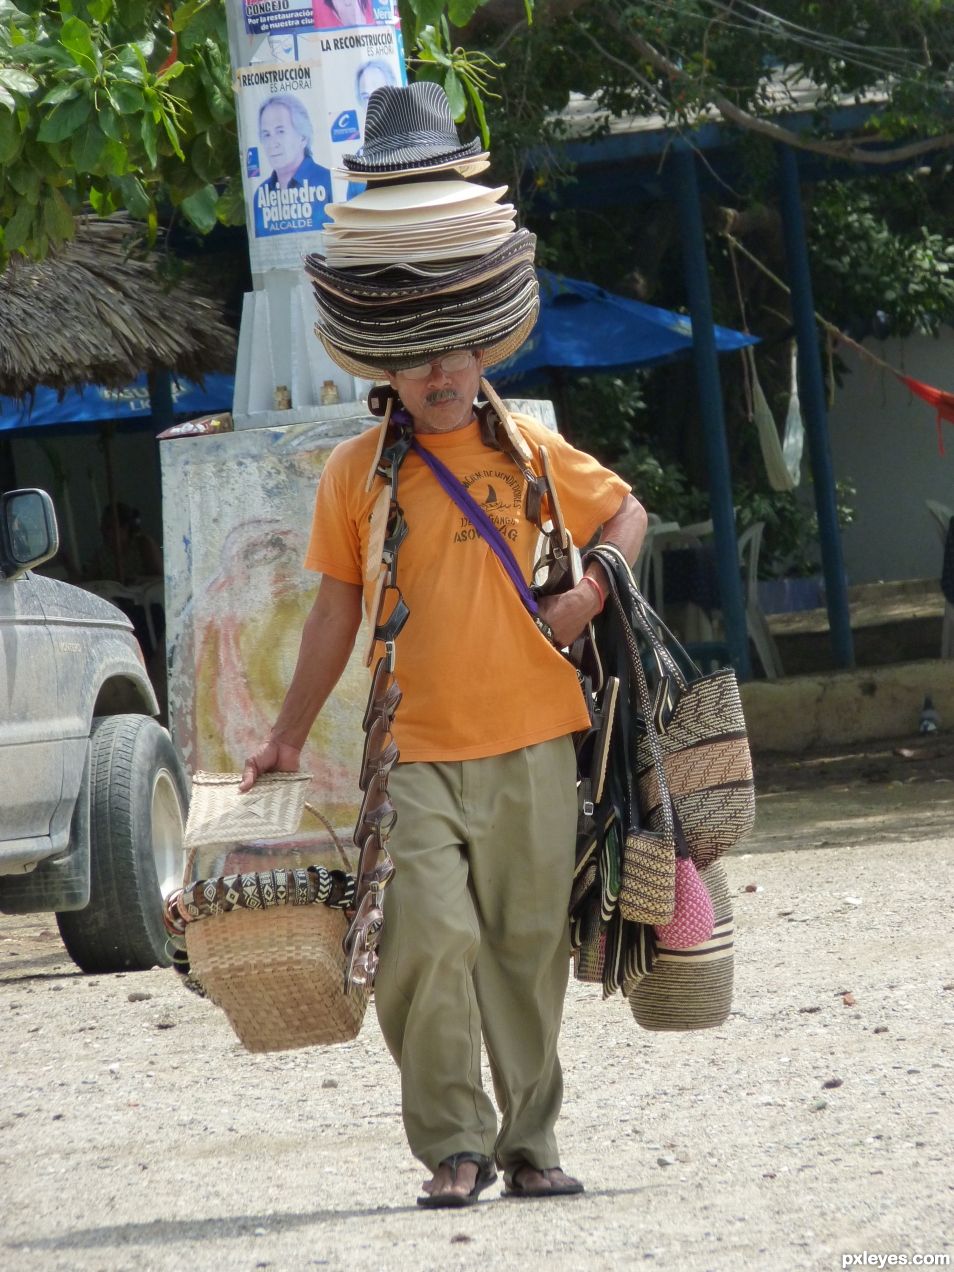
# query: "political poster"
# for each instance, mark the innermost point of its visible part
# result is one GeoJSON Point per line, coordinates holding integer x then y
{"type": "Point", "coordinates": [264, 16]}
{"type": "Point", "coordinates": [353, 64]}
{"type": "Point", "coordinates": [329, 14]}
{"type": "Point", "coordinates": [299, 116]}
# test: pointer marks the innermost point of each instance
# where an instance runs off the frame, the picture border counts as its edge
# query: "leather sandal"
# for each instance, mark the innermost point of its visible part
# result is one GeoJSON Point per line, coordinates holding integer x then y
{"type": "Point", "coordinates": [566, 1186]}
{"type": "Point", "coordinates": [486, 1175]}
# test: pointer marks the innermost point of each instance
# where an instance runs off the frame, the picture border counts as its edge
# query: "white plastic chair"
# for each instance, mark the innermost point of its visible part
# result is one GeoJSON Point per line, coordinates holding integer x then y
{"type": "Point", "coordinates": [148, 595]}
{"type": "Point", "coordinates": [649, 565]}
{"type": "Point", "coordinates": [750, 545]}
{"type": "Point", "coordinates": [942, 516]}
{"type": "Point", "coordinates": [942, 519]}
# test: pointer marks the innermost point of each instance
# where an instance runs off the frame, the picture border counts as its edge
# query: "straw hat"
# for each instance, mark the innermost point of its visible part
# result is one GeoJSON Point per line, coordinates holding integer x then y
{"type": "Point", "coordinates": [415, 268]}
{"type": "Point", "coordinates": [497, 332]}
{"type": "Point", "coordinates": [407, 203]}
{"type": "Point", "coordinates": [377, 284]}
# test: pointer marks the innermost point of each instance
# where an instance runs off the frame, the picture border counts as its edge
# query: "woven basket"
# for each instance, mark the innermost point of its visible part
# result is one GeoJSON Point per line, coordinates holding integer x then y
{"type": "Point", "coordinates": [219, 814]}
{"type": "Point", "coordinates": [278, 973]}
{"type": "Point", "coordinates": [692, 988]}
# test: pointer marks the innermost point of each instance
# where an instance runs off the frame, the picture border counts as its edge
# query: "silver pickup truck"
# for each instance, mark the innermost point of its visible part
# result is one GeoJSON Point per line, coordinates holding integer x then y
{"type": "Point", "coordinates": [93, 798]}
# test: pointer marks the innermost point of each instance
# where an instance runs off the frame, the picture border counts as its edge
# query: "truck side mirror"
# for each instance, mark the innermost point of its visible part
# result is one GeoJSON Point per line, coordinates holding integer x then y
{"type": "Point", "coordinates": [28, 533]}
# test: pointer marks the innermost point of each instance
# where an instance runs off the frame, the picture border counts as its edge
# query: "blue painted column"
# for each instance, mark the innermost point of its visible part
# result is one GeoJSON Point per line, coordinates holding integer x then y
{"type": "Point", "coordinates": [160, 399]}
{"type": "Point", "coordinates": [706, 361]}
{"type": "Point", "coordinates": [811, 392]}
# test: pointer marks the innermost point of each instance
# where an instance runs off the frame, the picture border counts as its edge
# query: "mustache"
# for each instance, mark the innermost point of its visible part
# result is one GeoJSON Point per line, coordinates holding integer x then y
{"type": "Point", "coordinates": [441, 395]}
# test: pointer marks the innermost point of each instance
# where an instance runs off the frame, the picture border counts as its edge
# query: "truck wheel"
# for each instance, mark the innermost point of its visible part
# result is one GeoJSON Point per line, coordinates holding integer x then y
{"type": "Point", "coordinates": [138, 803]}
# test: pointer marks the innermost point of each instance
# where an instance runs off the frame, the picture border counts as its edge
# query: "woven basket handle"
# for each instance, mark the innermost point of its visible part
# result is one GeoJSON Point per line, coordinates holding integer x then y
{"type": "Point", "coordinates": [646, 619]}
{"type": "Point", "coordinates": [644, 700]}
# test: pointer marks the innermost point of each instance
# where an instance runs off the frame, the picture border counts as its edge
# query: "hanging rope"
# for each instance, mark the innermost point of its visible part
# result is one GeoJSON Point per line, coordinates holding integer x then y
{"type": "Point", "coordinates": [782, 456]}
{"type": "Point", "coordinates": [940, 399]}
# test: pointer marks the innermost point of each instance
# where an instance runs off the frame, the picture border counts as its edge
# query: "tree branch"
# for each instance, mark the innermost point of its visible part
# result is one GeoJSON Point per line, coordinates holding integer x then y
{"type": "Point", "coordinates": [640, 79]}
{"type": "Point", "coordinates": [508, 13]}
{"type": "Point", "coordinates": [847, 150]}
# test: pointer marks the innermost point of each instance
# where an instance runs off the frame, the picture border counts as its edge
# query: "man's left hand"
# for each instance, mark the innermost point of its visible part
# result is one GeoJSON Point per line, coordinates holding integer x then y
{"type": "Point", "coordinates": [568, 613]}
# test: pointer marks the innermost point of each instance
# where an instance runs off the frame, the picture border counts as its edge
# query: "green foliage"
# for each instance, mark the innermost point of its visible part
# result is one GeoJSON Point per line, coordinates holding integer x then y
{"type": "Point", "coordinates": [900, 51]}
{"type": "Point", "coordinates": [102, 105]}
{"type": "Point", "coordinates": [607, 416]}
{"type": "Point", "coordinates": [114, 104]}
{"type": "Point", "coordinates": [874, 256]}
{"type": "Point", "coordinates": [433, 54]}
{"type": "Point", "coordinates": [790, 540]}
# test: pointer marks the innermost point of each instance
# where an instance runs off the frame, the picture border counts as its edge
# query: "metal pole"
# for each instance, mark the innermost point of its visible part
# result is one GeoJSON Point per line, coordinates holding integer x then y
{"type": "Point", "coordinates": [709, 386]}
{"type": "Point", "coordinates": [811, 389]}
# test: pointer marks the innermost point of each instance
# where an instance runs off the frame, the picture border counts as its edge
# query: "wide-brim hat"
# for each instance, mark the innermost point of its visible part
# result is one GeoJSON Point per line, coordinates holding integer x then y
{"type": "Point", "coordinates": [494, 352]}
{"type": "Point", "coordinates": [373, 285]}
{"type": "Point", "coordinates": [427, 222]}
{"type": "Point", "coordinates": [389, 328]}
{"type": "Point", "coordinates": [409, 128]}
{"type": "Point", "coordinates": [458, 247]}
{"type": "Point", "coordinates": [410, 203]}
{"type": "Point", "coordinates": [469, 167]}
{"type": "Point", "coordinates": [498, 333]}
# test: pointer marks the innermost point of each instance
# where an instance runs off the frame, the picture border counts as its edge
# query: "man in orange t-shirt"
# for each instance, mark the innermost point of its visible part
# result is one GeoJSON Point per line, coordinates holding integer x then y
{"type": "Point", "coordinates": [475, 943]}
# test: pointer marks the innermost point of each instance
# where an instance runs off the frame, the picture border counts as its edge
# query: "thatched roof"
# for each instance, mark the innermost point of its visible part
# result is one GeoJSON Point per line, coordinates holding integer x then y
{"type": "Point", "coordinates": [97, 311]}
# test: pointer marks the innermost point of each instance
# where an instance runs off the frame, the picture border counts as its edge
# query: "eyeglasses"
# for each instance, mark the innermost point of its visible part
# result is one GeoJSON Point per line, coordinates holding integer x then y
{"type": "Point", "coordinates": [450, 364]}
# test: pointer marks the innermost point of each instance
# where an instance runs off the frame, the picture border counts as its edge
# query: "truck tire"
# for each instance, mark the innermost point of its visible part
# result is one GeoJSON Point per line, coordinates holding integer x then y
{"type": "Point", "coordinates": [138, 802]}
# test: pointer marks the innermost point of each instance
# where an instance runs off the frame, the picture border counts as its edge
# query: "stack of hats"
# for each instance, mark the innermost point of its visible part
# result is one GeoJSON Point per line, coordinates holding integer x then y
{"type": "Point", "coordinates": [425, 261]}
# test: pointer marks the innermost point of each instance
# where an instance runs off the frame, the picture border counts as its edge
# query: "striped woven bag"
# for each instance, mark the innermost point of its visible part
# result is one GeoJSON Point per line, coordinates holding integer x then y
{"type": "Point", "coordinates": [692, 988]}
{"type": "Point", "coordinates": [700, 727]}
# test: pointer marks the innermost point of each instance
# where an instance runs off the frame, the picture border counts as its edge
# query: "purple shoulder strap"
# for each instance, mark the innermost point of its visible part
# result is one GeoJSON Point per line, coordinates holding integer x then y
{"type": "Point", "coordinates": [481, 523]}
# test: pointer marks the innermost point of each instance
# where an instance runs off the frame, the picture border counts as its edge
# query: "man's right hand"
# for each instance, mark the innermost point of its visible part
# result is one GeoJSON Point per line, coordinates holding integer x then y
{"type": "Point", "coordinates": [273, 757]}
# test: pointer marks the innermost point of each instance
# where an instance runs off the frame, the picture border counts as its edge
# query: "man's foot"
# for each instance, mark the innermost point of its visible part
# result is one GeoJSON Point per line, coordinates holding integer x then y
{"type": "Point", "coordinates": [458, 1181]}
{"type": "Point", "coordinates": [547, 1181]}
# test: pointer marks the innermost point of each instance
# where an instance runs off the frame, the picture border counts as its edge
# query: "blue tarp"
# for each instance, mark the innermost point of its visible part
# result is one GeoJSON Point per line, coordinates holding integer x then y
{"type": "Point", "coordinates": [94, 402]}
{"type": "Point", "coordinates": [582, 327]}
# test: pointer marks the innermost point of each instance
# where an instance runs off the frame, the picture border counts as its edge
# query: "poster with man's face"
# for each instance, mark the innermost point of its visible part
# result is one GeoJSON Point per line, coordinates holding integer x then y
{"type": "Point", "coordinates": [298, 118]}
{"type": "Point", "coordinates": [287, 183]}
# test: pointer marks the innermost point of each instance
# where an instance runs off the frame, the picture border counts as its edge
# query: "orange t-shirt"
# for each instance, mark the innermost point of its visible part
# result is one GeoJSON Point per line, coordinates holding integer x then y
{"type": "Point", "coordinates": [479, 678]}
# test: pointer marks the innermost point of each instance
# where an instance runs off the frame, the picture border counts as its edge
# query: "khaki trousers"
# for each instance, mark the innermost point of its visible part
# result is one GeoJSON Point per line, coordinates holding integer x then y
{"type": "Point", "coordinates": [476, 942]}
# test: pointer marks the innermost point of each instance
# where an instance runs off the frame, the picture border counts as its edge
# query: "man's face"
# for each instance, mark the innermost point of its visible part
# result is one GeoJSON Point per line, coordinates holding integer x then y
{"type": "Point", "coordinates": [372, 77]}
{"type": "Point", "coordinates": [284, 146]}
{"type": "Point", "coordinates": [443, 400]}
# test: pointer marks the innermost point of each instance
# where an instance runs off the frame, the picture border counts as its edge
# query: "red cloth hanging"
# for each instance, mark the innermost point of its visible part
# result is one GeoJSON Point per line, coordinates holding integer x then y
{"type": "Point", "coordinates": [942, 402]}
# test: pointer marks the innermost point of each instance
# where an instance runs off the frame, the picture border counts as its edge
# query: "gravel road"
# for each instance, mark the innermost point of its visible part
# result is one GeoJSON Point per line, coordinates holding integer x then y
{"type": "Point", "coordinates": [137, 1136]}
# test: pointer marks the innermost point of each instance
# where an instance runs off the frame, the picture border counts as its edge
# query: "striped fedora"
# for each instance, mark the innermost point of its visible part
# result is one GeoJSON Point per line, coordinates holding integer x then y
{"type": "Point", "coordinates": [409, 128]}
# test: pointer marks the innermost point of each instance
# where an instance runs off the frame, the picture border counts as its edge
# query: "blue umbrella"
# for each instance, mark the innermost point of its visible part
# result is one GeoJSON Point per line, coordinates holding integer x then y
{"type": "Point", "coordinates": [96, 403]}
{"type": "Point", "coordinates": [582, 327]}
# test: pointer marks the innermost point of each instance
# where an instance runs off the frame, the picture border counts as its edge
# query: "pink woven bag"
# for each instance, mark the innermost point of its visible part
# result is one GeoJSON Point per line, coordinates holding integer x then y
{"type": "Point", "coordinates": [694, 919]}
